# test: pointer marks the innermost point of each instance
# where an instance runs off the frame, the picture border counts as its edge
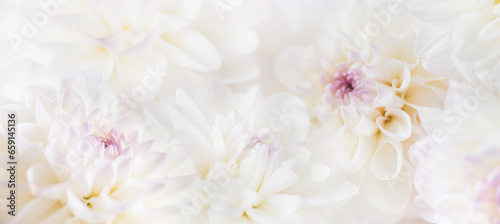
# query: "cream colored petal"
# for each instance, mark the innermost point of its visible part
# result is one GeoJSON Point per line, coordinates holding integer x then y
{"type": "Point", "coordinates": [396, 124]}
{"type": "Point", "coordinates": [387, 160]}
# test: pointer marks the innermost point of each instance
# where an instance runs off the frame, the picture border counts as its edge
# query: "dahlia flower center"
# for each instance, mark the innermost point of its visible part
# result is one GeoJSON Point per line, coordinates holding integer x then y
{"type": "Point", "coordinates": [110, 145]}
{"type": "Point", "coordinates": [345, 82]}
{"type": "Point", "coordinates": [106, 140]}
{"type": "Point", "coordinates": [344, 85]}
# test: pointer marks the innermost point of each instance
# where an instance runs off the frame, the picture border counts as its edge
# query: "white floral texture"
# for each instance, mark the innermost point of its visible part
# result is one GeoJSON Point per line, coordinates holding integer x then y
{"type": "Point", "coordinates": [251, 166]}
{"type": "Point", "coordinates": [459, 39]}
{"type": "Point", "coordinates": [457, 174]}
{"type": "Point", "coordinates": [124, 40]}
{"type": "Point", "coordinates": [365, 101]}
{"type": "Point", "coordinates": [82, 159]}
{"type": "Point", "coordinates": [252, 111]}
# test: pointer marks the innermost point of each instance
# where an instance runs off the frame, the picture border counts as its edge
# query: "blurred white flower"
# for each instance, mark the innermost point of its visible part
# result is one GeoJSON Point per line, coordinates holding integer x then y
{"type": "Point", "coordinates": [124, 40]}
{"type": "Point", "coordinates": [365, 101]}
{"type": "Point", "coordinates": [457, 174]}
{"type": "Point", "coordinates": [251, 166]}
{"type": "Point", "coordinates": [459, 39]}
{"type": "Point", "coordinates": [82, 159]}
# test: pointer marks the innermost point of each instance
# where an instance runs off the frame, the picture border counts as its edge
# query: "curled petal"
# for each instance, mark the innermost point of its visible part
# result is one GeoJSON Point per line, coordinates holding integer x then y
{"type": "Point", "coordinates": [396, 124]}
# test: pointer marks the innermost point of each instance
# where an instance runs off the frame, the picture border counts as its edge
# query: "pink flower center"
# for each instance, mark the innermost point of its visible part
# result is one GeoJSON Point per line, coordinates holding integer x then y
{"type": "Point", "coordinates": [108, 141]}
{"type": "Point", "coordinates": [344, 86]}
{"type": "Point", "coordinates": [345, 82]}
{"type": "Point", "coordinates": [110, 145]}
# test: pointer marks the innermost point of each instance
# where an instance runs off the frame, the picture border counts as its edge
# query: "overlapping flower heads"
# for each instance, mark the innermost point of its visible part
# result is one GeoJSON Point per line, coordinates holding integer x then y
{"type": "Point", "coordinates": [250, 111]}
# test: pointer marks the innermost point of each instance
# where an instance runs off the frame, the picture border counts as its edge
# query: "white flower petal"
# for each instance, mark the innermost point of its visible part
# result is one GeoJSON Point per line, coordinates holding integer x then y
{"type": "Point", "coordinates": [396, 124]}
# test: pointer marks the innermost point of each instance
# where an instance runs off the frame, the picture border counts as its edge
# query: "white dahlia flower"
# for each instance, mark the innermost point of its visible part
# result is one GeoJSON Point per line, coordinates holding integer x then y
{"type": "Point", "coordinates": [459, 38]}
{"type": "Point", "coordinates": [80, 158]}
{"type": "Point", "coordinates": [458, 170]}
{"type": "Point", "coordinates": [364, 100]}
{"type": "Point", "coordinates": [248, 154]}
{"type": "Point", "coordinates": [125, 39]}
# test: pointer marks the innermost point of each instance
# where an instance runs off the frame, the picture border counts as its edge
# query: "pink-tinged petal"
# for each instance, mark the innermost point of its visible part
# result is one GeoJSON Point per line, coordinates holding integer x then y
{"type": "Point", "coordinates": [396, 124]}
